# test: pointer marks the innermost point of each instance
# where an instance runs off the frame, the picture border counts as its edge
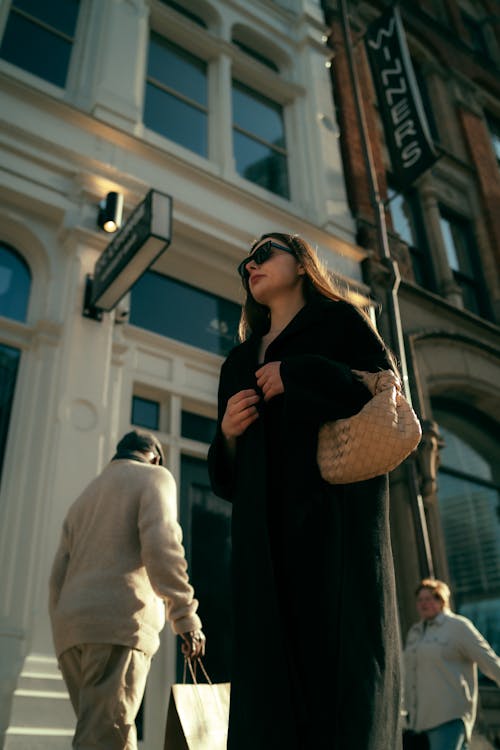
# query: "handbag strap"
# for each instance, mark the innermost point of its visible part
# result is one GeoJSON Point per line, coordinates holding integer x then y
{"type": "Point", "coordinates": [192, 669]}
{"type": "Point", "coordinates": [378, 381]}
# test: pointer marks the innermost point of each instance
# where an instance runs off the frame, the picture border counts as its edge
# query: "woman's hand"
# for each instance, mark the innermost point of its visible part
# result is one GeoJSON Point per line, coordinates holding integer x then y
{"type": "Point", "coordinates": [240, 413]}
{"type": "Point", "coordinates": [269, 380]}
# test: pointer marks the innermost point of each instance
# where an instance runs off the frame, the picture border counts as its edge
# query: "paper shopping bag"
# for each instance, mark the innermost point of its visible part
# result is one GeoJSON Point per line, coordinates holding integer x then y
{"type": "Point", "coordinates": [198, 717]}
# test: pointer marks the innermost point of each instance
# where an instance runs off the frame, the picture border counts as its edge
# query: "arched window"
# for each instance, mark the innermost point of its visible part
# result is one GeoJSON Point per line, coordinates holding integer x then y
{"type": "Point", "coordinates": [15, 283]}
{"type": "Point", "coordinates": [469, 502]}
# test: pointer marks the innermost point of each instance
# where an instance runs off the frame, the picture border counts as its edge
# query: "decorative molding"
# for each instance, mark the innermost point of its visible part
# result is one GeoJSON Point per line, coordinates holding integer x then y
{"type": "Point", "coordinates": [428, 459]}
{"type": "Point", "coordinates": [47, 332]}
{"type": "Point", "coordinates": [455, 336]}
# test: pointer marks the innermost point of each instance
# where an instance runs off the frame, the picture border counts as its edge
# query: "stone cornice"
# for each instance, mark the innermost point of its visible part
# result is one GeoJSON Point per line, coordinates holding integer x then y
{"type": "Point", "coordinates": [22, 336]}
{"type": "Point", "coordinates": [435, 301]}
{"type": "Point", "coordinates": [455, 336]}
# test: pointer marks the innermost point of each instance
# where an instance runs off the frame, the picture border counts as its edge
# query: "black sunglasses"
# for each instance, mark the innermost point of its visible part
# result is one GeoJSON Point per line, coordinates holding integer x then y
{"type": "Point", "coordinates": [259, 256]}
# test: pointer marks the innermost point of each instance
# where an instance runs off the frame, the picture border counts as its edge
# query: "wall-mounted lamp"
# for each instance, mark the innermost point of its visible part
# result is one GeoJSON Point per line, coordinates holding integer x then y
{"type": "Point", "coordinates": [141, 240]}
{"type": "Point", "coordinates": [110, 213]}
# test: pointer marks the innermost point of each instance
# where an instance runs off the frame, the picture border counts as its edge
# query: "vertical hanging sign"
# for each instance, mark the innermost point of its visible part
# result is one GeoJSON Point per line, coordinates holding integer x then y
{"type": "Point", "coordinates": [405, 124]}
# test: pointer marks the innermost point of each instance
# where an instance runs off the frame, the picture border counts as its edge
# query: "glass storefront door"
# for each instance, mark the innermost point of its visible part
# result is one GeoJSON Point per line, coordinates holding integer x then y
{"type": "Point", "coordinates": [206, 524]}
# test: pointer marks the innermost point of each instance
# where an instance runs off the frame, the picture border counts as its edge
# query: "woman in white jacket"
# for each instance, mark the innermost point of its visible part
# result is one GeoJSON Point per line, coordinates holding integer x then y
{"type": "Point", "coordinates": [442, 653]}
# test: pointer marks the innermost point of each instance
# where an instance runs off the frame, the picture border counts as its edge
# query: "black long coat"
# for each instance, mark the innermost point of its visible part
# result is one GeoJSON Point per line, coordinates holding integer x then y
{"type": "Point", "coordinates": [313, 582]}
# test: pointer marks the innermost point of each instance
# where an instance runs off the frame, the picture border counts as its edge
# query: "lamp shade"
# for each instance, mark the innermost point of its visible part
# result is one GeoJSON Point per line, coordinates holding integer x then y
{"type": "Point", "coordinates": [110, 212]}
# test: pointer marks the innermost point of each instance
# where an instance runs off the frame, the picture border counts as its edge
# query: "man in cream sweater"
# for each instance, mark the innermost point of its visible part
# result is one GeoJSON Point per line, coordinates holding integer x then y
{"type": "Point", "coordinates": [119, 570]}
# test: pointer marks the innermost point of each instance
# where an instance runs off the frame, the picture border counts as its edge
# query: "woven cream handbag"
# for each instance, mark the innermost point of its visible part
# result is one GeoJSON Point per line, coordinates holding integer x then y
{"type": "Point", "coordinates": [375, 440]}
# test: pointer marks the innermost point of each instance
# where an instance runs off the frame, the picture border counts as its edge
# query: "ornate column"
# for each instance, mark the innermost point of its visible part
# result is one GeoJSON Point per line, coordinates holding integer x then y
{"type": "Point", "coordinates": [428, 459]}
{"type": "Point", "coordinates": [446, 282]}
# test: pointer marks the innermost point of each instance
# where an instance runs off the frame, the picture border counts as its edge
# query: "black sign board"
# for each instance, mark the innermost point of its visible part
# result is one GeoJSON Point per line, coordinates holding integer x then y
{"type": "Point", "coordinates": [145, 235]}
{"type": "Point", "coordinates": [405, 125]}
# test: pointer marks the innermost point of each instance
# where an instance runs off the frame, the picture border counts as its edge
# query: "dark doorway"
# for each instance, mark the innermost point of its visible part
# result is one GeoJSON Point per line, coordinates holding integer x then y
{"type": "Point", "coordinates": [206, 525]}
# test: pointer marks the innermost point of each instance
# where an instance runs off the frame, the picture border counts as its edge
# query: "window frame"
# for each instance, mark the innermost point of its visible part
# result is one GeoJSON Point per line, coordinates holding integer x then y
{"type": "Point", "coordinates": [53, 88]}
{"type": "Point", "coordinates": [175, 447]}
{"type": "Point", "coordinates": [225, 62]}
{"type": "Point", "coordinates": [281, 151]}
{"type": "Point", "coordinates": [157, 404]}
{"type": "Point", "coordinates": [493, 125]}
{"type": "Point", "coordinates": [419, 251]}
{"type": "Point", "coordinates": [268, 62]}
{"type": "Point", "coordinates": [224, 345]}
{"type": "Point", "coordinates": [485, 427]}
{"type": "Point", "coordinates": [178, 95]}
{"type": "Point", "coordinates": [28, 275]}
{"type": "Point", "coordinates": [15, 336]}
{"type": "Point", "coordinates": [186, 13]}
{"type": "Point", "coordinates": [473, 281]}
{"type": "Point", "coordinates": [476, 39]}
{"type": "Point", "coordinates": [6, 422]}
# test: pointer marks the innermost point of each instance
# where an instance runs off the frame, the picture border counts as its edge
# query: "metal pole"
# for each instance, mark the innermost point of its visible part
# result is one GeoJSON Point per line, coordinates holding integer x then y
{"type": "Point", "coordinates": [387, 260]}
{"type": "Point", "coordinates": [377, 204]}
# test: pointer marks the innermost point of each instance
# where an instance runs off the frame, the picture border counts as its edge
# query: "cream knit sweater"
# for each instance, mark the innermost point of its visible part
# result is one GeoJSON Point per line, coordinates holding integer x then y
{"type": "Point", "coordinates": [120, 555]}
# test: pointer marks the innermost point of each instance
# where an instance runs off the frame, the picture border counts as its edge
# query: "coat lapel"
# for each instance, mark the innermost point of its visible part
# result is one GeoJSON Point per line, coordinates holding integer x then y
{"type": "Point", "coordinates": [307, 316]}
{"type": "Point", "coordinates": [312, 313]}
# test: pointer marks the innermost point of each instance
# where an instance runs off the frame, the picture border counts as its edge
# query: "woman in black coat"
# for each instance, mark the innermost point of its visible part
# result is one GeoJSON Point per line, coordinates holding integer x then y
{"type": "Point", "coordinates": [316, 644]}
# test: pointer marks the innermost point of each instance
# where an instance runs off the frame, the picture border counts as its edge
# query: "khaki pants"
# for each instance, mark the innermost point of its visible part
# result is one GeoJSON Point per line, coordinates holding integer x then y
{"type": "Point", "coordinates": [106, 684]}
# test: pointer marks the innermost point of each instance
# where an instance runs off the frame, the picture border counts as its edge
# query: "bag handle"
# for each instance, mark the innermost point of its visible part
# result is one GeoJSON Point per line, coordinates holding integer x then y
{"type": "Point", "coordinates": [379, 381]}
{"type": "Point", "coordinates": [192, 669]}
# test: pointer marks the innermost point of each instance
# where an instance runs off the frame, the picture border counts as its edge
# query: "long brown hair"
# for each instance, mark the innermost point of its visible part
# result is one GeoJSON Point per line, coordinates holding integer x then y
{"type": "Point", "coordinates": [318, 282]}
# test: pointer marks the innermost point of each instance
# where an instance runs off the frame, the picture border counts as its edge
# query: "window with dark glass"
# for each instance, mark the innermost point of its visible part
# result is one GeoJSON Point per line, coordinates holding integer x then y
{"type": "Point", "coordinates": [176, 101]}
{"type": "Point", "coordinates": [257, 55]}
{"type": "Point", "coordinates": [39, 37]}
{"type": "Point", "coordinates": [494, 128]}
{"type": "Point", "coordinates": [184, 312]}
{"type": "Point", "coordinates": [259, 140]}
{"type": "Point", "coordinates": [15, 283]}
{"type": "Point", "coordinates": [185, 12]}
{"type": "Point", "coordinates": [206, 526]}
{"type": "Point", "coordinates": [408, 224]}
{"type": "Point", "coordinates": [469, 503]}
{"type": "Point", "coordinates": [197, 427]}
{"type": "Point", "coordinates": [476, 36]}
{"type": "Point", "coordinates": [145, 413]}
{"type": "Point", "coordinates": [9, 363]}
{"type": "Point", "coordinates": [462, 255]}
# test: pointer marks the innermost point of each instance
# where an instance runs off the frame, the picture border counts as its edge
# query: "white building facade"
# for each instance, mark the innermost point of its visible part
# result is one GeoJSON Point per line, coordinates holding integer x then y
{"type": "Point", "coordinates": [225, 106]}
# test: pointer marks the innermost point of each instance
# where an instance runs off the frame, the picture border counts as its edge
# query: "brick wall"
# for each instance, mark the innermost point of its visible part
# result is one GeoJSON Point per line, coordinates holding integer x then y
{"type": "Point", "coordinates": [478, 141]}
{"type": "Point", "coordinates": [356, 172]}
